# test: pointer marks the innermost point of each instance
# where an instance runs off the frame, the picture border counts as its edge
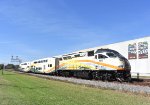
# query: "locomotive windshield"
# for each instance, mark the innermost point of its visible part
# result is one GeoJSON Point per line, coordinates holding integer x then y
{"type": "Point", "coordinates": [111, 55]}
{"type": "Point", "coordinates": [109, 52]}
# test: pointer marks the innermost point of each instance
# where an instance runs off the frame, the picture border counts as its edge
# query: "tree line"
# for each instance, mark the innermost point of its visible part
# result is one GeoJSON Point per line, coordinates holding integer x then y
{"type": "Point", "coordinates": [9, 66]}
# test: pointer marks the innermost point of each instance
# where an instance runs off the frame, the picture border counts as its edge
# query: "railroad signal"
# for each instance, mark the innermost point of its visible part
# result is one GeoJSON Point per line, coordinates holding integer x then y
{"type": "Point", "coordinates": [16, 59]}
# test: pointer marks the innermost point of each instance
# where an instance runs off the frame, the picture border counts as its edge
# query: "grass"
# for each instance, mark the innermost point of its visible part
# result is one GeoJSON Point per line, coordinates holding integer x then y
{"type": "Point", "coordinates": [19, 89]}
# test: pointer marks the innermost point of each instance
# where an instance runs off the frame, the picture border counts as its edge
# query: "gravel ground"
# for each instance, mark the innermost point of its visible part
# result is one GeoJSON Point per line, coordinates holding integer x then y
{"type": "Point", "coordinates": [100, 84]}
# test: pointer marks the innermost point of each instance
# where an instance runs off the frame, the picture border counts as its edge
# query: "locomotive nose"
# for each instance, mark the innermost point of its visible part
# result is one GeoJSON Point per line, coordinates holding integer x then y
{"type": "Point", "coordinates": [126, 63]}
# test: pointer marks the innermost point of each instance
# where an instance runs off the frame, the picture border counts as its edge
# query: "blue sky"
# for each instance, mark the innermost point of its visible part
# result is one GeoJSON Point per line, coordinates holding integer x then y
{"type": "Point", "coordinates": [34, 29]}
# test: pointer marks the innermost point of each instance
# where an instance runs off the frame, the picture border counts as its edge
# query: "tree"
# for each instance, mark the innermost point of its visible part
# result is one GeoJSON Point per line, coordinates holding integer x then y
{"type": "Point", "coordinates": [10, 66]}
{"type": "Point", "coordinates": [1, 66]}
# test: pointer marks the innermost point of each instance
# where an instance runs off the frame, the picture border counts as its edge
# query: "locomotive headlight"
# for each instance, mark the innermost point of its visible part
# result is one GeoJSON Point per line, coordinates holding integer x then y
{"type": "Point", "coordinates": [121, 66]}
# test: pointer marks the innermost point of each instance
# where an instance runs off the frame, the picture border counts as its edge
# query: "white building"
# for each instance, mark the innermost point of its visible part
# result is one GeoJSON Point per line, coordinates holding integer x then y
{"type": "Point", "coordinates": [136, 51]}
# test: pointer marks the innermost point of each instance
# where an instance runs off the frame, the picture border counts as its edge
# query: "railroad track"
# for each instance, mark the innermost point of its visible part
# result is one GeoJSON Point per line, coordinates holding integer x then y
{"type": "Point", "coordinates": [134, 87]}
{"type": "Point", "coordinates": [135, 81]}
{"type": "Point", "coordinates": [141, 86]}
{"type": "Point", "coordinates": [142, 82]}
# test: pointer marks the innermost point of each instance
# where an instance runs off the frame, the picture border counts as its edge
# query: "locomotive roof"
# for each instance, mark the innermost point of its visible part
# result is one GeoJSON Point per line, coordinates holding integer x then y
{"type": "Point", "coordinates": [105, 50]}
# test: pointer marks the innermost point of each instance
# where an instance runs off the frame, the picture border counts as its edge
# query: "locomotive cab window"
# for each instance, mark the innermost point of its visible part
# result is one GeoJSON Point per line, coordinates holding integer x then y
{"type": "Point", "coordinates": [100, 56]}
{"type": "Point", "coordinates": [95, 56]}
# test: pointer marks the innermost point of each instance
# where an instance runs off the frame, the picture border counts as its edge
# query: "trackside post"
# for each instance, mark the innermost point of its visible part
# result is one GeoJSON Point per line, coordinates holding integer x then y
{"type": "Point", "coordinates": [3, 69]}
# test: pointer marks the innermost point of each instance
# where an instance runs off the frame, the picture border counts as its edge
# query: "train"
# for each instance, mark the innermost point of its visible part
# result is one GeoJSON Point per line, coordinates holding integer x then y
{"type": "Point", "coordinates": [25, 66]}
{"type": "Point", "coordinates": [101, 64]}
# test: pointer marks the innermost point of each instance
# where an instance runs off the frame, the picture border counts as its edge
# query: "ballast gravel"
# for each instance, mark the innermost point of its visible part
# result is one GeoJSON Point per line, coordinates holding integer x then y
{"type": "Point", "coordinates": [100, 84]}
